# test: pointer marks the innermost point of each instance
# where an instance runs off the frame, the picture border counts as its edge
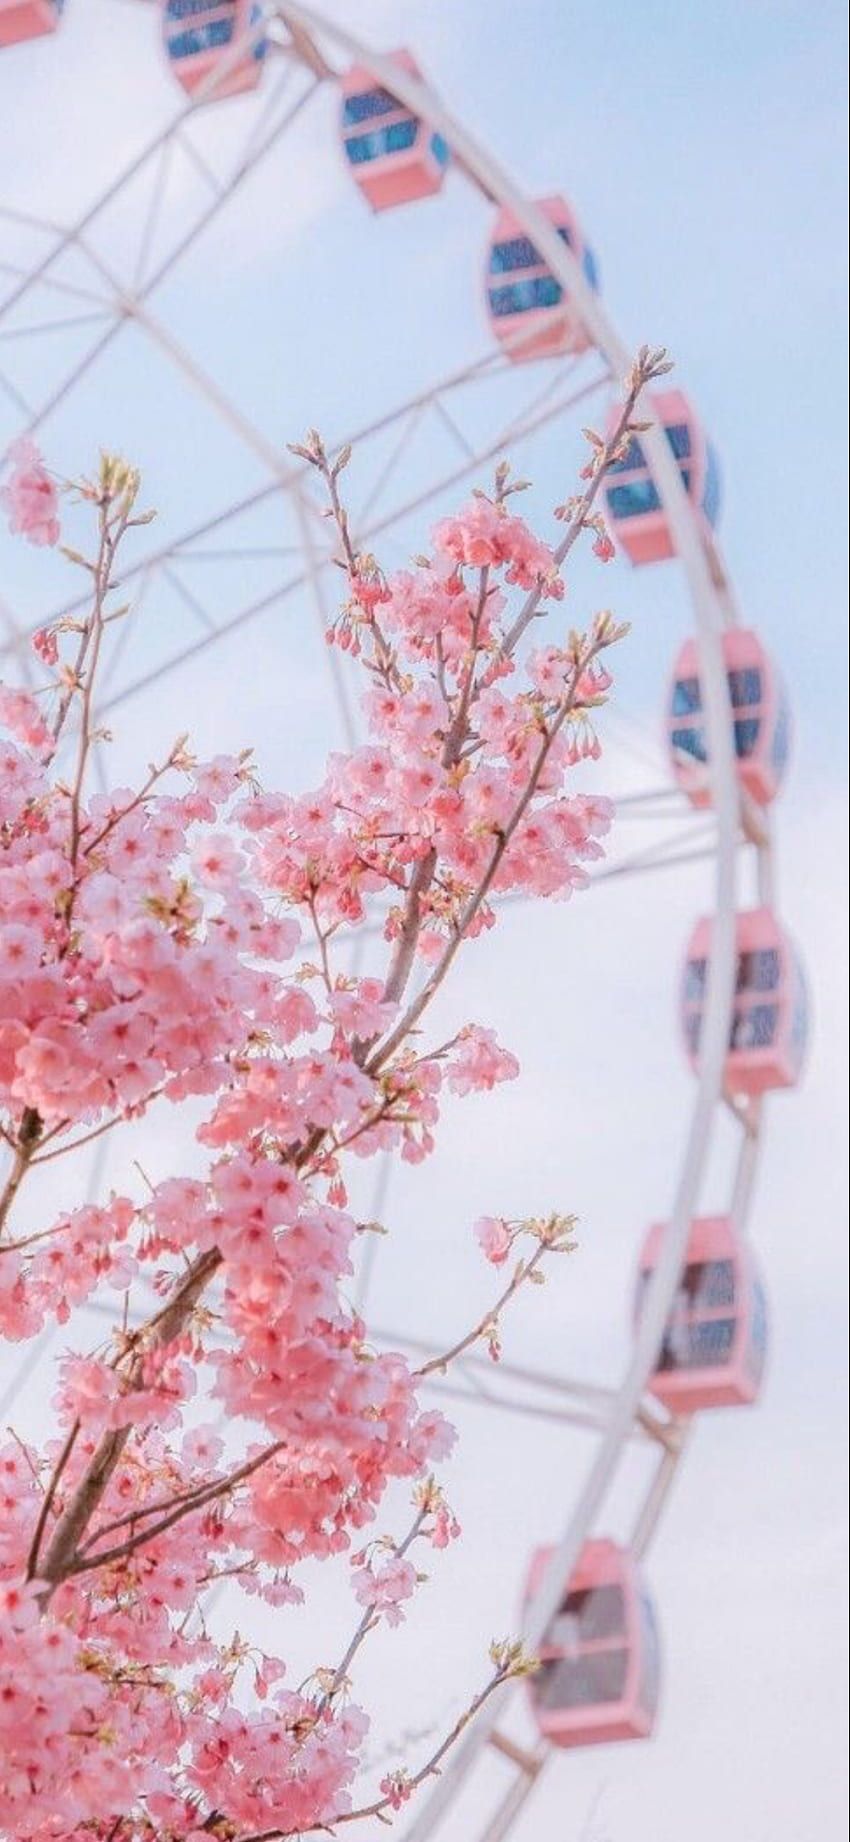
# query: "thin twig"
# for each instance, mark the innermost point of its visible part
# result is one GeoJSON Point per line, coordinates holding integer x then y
{"type": "Point", "coordinates": [489, 1320]}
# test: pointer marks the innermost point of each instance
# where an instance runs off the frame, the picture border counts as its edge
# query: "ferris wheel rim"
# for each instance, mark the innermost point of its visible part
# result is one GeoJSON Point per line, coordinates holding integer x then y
{"type": "Point", "coordinates": [714, 607]}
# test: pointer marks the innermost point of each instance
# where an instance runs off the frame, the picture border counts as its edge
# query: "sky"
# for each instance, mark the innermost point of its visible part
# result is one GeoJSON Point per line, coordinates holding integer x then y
{"type": "Point", "coordinates": [703, 148]}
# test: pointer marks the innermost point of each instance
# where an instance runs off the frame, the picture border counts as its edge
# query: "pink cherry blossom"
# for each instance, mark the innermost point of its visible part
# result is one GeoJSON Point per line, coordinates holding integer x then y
{"type": "Point", "coordinates": [479, 1062]}
{"type": "Point", "coordinates": [29, 495]}
{"type": "Point", "coordinates": [185, 943]}
{"type": "Point", "coordinates": [446, 1528]}
{"type": "Point", "coordinates": [494, 1238]}
{"type": "Point", "coordinates": [396, 1788]}
{"type": "Point", "coordinates": [384, 1588]}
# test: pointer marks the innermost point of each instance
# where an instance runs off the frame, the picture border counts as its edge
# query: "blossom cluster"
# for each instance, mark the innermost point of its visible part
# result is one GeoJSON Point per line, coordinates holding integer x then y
{"type": "Point", "coordinates": [177, 941]}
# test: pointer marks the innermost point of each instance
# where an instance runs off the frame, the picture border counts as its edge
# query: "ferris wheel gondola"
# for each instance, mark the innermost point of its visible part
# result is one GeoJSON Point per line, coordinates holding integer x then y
{"type": "Point", "coordinates": [760, 717]}
{"type": "Point", "coordinates": [599, 1677]}
{"type": "Point", "coordinates": [715, 1343]}
{"type": "Point", "coordinates": [214, 47]}
{"type": "Point", "coordinates": [529, 309]}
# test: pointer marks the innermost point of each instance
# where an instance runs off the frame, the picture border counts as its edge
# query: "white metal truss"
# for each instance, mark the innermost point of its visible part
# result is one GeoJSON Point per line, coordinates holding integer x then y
{"type": "Point", "coordinates": [66, 284]}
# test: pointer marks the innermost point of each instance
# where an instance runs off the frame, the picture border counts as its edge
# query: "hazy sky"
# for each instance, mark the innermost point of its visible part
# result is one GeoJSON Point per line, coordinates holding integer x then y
{"type": "Point", "coordinates": [702, 145]}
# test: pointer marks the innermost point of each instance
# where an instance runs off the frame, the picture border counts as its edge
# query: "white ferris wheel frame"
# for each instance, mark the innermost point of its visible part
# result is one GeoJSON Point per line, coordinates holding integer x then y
{"type": "Point", "coordinates": [617, 1415]}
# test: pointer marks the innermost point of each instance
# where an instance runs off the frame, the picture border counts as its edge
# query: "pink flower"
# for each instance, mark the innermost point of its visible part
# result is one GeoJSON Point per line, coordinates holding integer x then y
{"type": "Point", "coordinates": [20, 714]}
{"type": "Point", "coordinates": [446, 1527]}
{"type": "Point", "coordinates": [19, 1603]}
{"type": "Point", "coordinates": [217, 861]}
{"type": "Point", "coordinates": [46, 645]}
{"type": "Point", "coordinates": [29, 495]}
{"type": "Point", "coordinates": [479, 1062]}
{"type": "Point", "coordinates": [202, 1449]}
{"type": "Point", "coordinates": [384, 1589]}
{"type": "Point", "coordinates": [143, 963]}
{"type": "Point", "coordinates": [494, 1238]}
{"type": "Point", "coordinates": [396, 1788]}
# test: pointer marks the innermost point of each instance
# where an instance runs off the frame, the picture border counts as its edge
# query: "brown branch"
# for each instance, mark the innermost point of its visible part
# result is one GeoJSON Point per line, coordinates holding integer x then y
{"type": "Point", "coordinates": [160, 1330]}
{"type": "Point", "coordinates": [48, 1499]}
{"type": "Point", "coordinates": [405, 947]}
{"type": "Point", "coordinates": [29, 1134]}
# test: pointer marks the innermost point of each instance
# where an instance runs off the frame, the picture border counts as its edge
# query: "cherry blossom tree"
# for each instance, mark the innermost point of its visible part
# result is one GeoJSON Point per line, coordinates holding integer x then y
{"type": "Point", "coordinates": [181, 941]}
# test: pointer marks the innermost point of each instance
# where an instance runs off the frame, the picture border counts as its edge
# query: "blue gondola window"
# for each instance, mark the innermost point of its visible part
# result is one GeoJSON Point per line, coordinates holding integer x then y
{"type": "Point", "coordinates": [746, 691]}
{"type": "Point", "coordinates": [522, 296]}
{"type": "Point", "coordinates": [708, 1285]}
{"type": "Point", "coordinates": [690, 742]}
{"type": "Point", "coordinates": [698, 1344]}
{"type": "Point", "coordinates": [679, 439]}
{"type": "Point", "coordinates": [366, 105]}
{"type": "Point", "coordinates": [754, 1027]}
{"type": "Point", "coordinates": [747, 732]}
{"type": "Point", "coordinates": [361, 148]}
{"type": "Point", "coordinates": [207, 34]}
{"type": "Point", "coordinates": [745, 686]}
{"type": "Point", "coordinates": [633, 498]}
{"type": "Point", "coordinates": [687, 696]}
{"type": "Point", "coordinates": [514, 253]}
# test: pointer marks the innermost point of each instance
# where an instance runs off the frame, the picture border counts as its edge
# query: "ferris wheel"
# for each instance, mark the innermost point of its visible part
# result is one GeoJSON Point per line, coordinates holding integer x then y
{"type": "Point", "coordinates": [251, 74]}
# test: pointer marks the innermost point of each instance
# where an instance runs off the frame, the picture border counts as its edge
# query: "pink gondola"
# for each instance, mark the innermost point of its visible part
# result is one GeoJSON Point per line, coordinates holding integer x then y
{"type": "Point", "coordinates": [217, 46]}
{"type": "Point", "coordinates": [759, 713]}
{"type": "Point", "coordinates": [715, 1342]}
{"type": "Point", "coordinates": [22, 19]}
{"type": "Point", "coordinates": [528, 310]}
{"type": "Point", "coordinates": [632, 500]}
{"type": "Point", "coordinates": [767, 1040]}
{"type": "Point", "coordinates": [599, 1671]}
{"type": "Point", "coordinates": [395, 157]}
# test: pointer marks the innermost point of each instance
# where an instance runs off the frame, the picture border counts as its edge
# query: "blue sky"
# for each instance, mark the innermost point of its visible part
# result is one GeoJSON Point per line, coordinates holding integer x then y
{"type": "Point", "coordinates": [703, 148]}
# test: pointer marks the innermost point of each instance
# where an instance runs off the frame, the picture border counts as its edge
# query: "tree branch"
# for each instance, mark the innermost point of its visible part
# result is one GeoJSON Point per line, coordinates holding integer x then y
{"type": "Point", "coordinates": [160, 1330]}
